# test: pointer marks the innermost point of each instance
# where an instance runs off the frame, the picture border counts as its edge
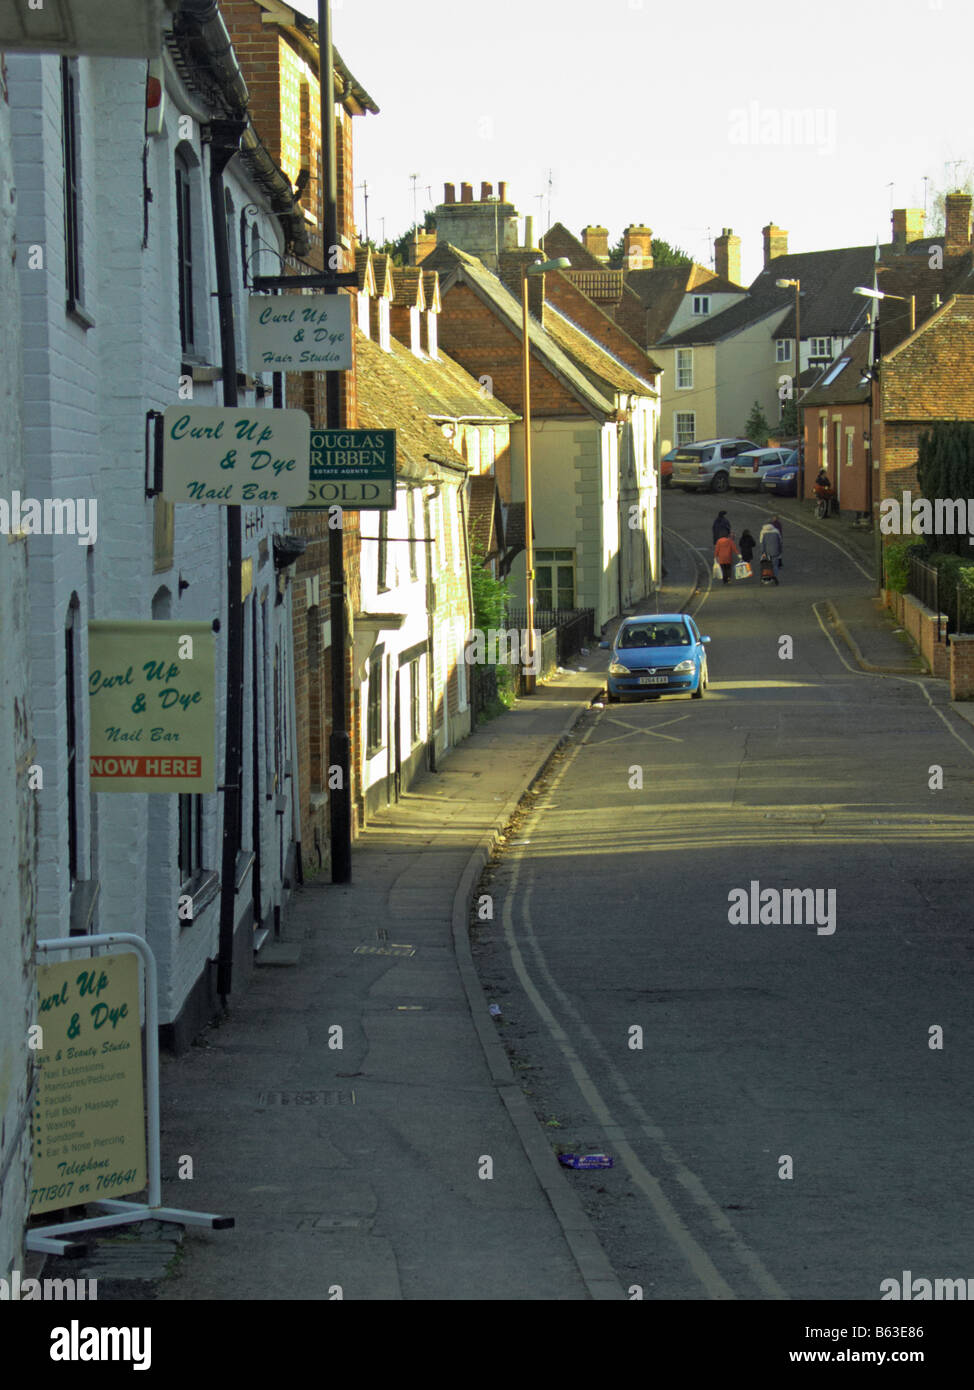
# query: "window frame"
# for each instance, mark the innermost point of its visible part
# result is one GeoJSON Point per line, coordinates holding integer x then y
{"type": "Point", "coordinates": [374, 723]}
{"type": "Point", "coordinates": [74, 239]}
{"type": "Point", "coordinates": [684, 369]}
{"type": "Point", "coordinates": [782, 349]}
{"type": "Point", "coordinates": [701, 305]}
{"type": "Point", "coordinates": [185, 278]}
{"type": "Point", "coordinates": [679, 415]}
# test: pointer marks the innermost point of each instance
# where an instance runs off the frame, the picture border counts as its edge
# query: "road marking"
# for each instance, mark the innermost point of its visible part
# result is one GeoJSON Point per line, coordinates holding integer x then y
{"type": "Point", "coordinates": [694, 1254]}
{"type": "Point", "coordinates": [881, 676]}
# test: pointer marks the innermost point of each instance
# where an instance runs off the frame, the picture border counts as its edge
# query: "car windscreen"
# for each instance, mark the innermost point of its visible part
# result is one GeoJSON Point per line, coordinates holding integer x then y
{"type": "Point", "coordinates": [653, 635]}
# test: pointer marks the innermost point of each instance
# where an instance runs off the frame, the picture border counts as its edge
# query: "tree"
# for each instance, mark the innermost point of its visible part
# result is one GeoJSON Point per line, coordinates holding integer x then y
{"type": "Point", "coordinates": [945, 469]}
{"type": "Point", "coordinates": [399, 248]}
{"type": "Point", "coordinates": [788, 424]}
{"type": "Point", "coordinates": [663, 254]}
{"type": "Point", "coordinates": [937, 215]}
{"type": "Point", "coordinates": [757, 427]}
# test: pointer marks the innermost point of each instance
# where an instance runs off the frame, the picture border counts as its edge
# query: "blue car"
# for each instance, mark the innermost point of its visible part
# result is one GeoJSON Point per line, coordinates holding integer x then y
{"type": "Point", "coordinates": [657, 654]}
{"type": "Point", "coordinates": [782, 480]}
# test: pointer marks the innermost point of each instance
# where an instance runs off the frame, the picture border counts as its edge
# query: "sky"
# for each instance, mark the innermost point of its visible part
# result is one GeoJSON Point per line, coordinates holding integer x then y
{"type": "Point", "coordinates": [688, 116]}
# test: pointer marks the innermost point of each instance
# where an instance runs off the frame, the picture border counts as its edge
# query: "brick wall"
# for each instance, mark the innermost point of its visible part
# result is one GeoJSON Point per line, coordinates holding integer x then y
{"type": "Point", "coordinates": [484, 346]}
{"type": "Point", "coordinates": [961, 653]}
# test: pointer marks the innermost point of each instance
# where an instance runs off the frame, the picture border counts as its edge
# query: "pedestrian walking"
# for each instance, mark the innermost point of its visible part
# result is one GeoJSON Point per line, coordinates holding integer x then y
{"type": "Point", "coordinates": [769, 541]}
{"type": "Point", "coordinates": [747, 545]}
{"type": "Point", "coordinates": [722, 526]}
{"type": "Point", "coordinates": [725, 548]}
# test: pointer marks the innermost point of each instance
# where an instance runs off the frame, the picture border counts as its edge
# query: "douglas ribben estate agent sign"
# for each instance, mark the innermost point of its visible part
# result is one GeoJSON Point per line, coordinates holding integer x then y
{"type": "Point", "coordinates": [300, 333]}
{"type": "Point", "coordinates": [151, 699]}
{"type": "Point", "coordinates": [89, 1117]}
{"type": "Point", "coordinates": [236, 457]}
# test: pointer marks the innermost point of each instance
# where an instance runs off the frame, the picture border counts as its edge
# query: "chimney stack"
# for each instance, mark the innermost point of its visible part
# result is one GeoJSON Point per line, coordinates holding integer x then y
{"type": "Point", "coordinates": [727, 256]}
{"type": "Point", "coordinates": [511, 272]}
{"type": "Point", "coordinates": [466, 193]}
{"type": "Point", "coordinates": [775, 243]}
{"type": "Point", "coordinates": [596, 241]}
{"type": "Point", "coordinates": [957, 236]}
{"type": "Point", "coordinates": [908, 225]}
{"type": "Point", "coordinates": [422, 244]}
{"type": "Point", "coordinates": [637, 248]}
{"type": "Point", "coordinates": [449, 193]}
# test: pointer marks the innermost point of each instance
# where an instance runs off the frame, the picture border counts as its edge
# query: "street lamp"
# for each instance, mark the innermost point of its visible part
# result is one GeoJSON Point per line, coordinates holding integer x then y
{"type": "Point", "coordinates": [797, 285]}
{"type": "Point", "coordinates": [910, 299]}
{"type": "Point", "coordinates": [538, 268]}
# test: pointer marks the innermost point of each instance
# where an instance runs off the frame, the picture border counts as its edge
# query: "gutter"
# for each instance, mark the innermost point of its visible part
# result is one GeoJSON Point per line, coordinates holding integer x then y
{"type": "Point", "coordinates": [200, 25]}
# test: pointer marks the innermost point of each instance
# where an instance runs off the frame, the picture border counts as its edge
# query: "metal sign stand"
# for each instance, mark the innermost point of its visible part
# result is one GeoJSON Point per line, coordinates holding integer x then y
{"type": "Point", "coordinates": [51, 1239]}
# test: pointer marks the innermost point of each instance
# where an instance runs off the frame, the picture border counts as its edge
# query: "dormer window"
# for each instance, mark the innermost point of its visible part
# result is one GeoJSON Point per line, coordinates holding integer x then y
{"type": "Point", "coordinates": [701, 303]}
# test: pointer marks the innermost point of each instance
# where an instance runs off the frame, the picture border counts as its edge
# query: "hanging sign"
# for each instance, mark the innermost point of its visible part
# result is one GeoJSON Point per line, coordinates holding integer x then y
{"type": "Point", "coordinates": [300, 333]}
{"type": "Point", "coordinates": [235, 456]}
{"type": "Point", "coordinates": [88, 1122]}
{"type": "Point", "coordinates": [355, 469]}
{"type": "Point", "coordinates": [153, 714]}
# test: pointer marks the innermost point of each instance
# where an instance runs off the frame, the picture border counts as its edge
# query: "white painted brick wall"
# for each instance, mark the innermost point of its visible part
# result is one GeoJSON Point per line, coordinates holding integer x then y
{"type": "Point", "coordinates": [17, 876]}
{"type": "Point", "coordinates": [86, 397]}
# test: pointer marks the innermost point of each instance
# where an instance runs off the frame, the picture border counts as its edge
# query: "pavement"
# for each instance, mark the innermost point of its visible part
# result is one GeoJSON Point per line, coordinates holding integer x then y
{"type": "Point", "coordinates": [356, 1112]}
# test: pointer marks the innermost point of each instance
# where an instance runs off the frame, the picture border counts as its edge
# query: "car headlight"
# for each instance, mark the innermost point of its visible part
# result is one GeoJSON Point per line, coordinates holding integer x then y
{"type": "Point", "coordinates": [616, 668]}
{"type": "Point", "coordinates": [683, 667]}
{"type": "Point", "coordinates": [787, 477]}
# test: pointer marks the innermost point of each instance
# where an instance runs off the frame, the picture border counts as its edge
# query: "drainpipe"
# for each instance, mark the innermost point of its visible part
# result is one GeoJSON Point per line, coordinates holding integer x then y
{"type": "Point", "coordinates": [224, 139]}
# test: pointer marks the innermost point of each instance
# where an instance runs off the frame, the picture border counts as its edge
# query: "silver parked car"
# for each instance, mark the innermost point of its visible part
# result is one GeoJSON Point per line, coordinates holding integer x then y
{"type": "Point", "coordinates": [748, 469]}
{"type": "Point", "coordinates": [706, 465]}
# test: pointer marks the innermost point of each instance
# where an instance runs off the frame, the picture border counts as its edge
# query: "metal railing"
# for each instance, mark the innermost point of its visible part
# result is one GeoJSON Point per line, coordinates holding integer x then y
{"type": "Point", "coordinates": [575, 627]}
{"type": "Point", "coordinates": [924, 584]}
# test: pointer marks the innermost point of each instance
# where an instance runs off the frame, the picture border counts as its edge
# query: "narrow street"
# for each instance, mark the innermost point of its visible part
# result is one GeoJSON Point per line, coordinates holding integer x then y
{"type": "Point", "coordinates": [759, 1041]}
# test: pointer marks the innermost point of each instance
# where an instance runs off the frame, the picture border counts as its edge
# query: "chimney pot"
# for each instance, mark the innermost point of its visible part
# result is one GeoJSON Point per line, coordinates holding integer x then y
{"type": "Point", "coordinates": [486, 191]}
{"type": "Point", "coordinates": [449, 193]}
{"type": "Point", "coordinates": [466, 193]}
{"type": "Point", "coordinates": [502, 192]}
{"type": "Point", "coordinates": [529, 232]}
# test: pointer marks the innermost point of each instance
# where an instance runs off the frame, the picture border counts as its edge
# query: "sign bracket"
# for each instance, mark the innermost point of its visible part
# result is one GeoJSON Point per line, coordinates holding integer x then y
{"type": "Point", "coordinates": [53, 1240]}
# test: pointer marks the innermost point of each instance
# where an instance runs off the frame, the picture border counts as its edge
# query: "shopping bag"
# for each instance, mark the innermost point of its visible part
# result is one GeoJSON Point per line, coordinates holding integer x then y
{"type": "Point", "coordinates": [718, 573]}
{"type": "Point", "coordinates": [742, 570]}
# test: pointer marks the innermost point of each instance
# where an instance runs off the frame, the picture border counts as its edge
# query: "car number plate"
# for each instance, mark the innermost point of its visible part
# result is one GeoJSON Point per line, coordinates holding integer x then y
{"type": "Point", "coordinates": [653, 680]}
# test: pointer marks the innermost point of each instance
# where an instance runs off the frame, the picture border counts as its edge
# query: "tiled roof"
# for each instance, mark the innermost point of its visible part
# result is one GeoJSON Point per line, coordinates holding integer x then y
{"type": "Point", "coordinates": [828, 306]}
{"type": "Point", "coordinates": [930, 375]}
{"type": "Point", "coordinates": [661, 291]}
{"type": "Point", "coordinates": [409, 287]}
{"type": "Point", "coordinates": [844, 387]}
{"type": "Point", "coordinates": [595, 360]}
{"type": "Point", "coordinates": [445, 391]}
{"type": "Point", "coordinates": [385, 284]}
{"type": "Point", "coordinates": [559, 241]}
{"type": "Point", "coordinates": [486, 518]}
{"type": "Point", "coordinates": [387, 401]}
{"type": "Point", "coordinates": [911, 274]}
{"type": "Point", "coordinates": [431, 288]}
{"type": "Point", "coordinates": [364, 270]}
{"type": "Point", "coordinates": [515, 532]}
{"type": "Point", "coordinates": [455, 265]}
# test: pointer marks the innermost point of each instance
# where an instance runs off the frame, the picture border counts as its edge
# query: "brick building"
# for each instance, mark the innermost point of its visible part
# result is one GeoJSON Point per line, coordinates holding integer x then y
{"type": "Point", "coordinates": [278, 53]}
{"type": "Point", "coordinates": [594, 429]}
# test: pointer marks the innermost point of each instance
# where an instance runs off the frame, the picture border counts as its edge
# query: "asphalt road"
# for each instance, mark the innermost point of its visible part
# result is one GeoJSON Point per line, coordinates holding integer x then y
{"type": "Point", "coordinates": [768, 1048]}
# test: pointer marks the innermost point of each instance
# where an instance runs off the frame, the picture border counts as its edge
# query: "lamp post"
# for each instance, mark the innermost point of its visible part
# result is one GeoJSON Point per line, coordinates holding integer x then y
{"type": "Point", "coordinates": [797, 285]}
{"type": "Point", "coordinates": [910, 299]}
{"type": "Point", "coordinates": [874, 407]}
{"type": "Point", "coordinates": [539, 268]}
